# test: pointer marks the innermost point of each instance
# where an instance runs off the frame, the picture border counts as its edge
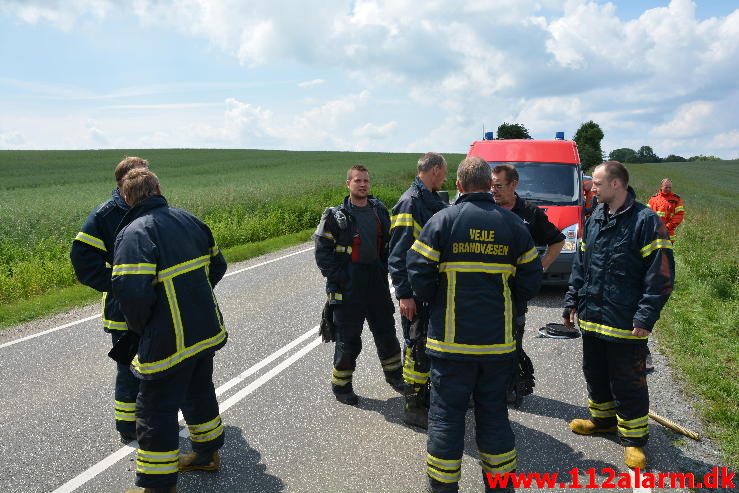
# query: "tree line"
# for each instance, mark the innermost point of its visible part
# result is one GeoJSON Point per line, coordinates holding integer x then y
{"type": "Point", "coordinates": [588, 138]}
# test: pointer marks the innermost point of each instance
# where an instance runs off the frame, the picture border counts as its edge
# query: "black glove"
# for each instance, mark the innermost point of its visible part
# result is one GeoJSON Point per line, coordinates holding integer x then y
{"type": "Point", "coordinates": [327, 329]}
{"type": "Point", "coordinates": [125, 349]}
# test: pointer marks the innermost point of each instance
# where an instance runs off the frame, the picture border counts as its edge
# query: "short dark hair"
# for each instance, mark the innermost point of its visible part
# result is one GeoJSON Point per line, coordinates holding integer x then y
{"type": "Point", "coordinates": [473, 174]}
{"type": "Point", "coordinates": [431, 160]}
{"type": "Point", "coordinates": [139, 184]}
{"type": "Point", "coordinates": [510, 172]}
{"type": "Point", "coordinates": [616, 171]}
{"type": "Point", "coordinates": [357, 167]}
{"type": "Point", "coordinates": [129, 163]}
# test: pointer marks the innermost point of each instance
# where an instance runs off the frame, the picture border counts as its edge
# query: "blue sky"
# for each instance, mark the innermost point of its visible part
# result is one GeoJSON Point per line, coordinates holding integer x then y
{"type": "Point", "coordinates": [375, 75]}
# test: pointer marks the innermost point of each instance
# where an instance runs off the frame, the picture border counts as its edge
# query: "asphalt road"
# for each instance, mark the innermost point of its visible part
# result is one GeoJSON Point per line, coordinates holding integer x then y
{"type": "Point", "coordinates": [284, 429]}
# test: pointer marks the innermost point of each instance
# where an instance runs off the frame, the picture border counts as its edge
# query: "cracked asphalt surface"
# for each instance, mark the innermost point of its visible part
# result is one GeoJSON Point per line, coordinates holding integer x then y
{"type": "Point", "coordinates": [288, 433]}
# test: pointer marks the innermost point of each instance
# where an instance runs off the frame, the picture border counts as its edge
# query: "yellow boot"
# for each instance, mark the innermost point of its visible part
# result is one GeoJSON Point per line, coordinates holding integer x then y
{"type": "Point", "coordinates": [195, 462]}
{"type": "Point", "coordinates": [634, 457]}
{"type": "Point", "coordinates": [588, 427]}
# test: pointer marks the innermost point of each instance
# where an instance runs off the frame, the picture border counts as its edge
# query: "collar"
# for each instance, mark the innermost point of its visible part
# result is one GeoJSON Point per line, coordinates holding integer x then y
{"type": "Point", "coordinates": [601, 213]}
{"type": "Point", "coordinates": [116, 194]}
{"type": "Point", "coordinates": [348, 206]}
{"type": "Point", "coordinates": [146, 205]}
{"type": "Point", "coordinates": [475, 197]}
{"type": "Point", "coordinates": [424, 193]}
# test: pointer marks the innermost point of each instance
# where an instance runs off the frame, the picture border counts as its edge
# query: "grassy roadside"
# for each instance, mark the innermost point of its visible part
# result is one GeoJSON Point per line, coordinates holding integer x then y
{"type": "Point", "coordinates": [699, 328]}
{"type": "Point", "coordinates": [62, 299]}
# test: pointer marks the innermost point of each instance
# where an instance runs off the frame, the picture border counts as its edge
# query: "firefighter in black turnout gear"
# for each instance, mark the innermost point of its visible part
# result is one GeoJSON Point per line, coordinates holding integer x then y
{"type": "Point", "coordinates": [544, 233]}
{"type": "Point", "coordinates": [470, 262]}
{"type": "Point", "coordinates": [621, 278]}
{"type": "Point", "coordinates": [352, 252]}
{"type": "Point", "coordinates": [92, 260]}
{"type": "Point", "coordinates": [414, 208]}
{"type": "Point", "coordinates": [165, 265]}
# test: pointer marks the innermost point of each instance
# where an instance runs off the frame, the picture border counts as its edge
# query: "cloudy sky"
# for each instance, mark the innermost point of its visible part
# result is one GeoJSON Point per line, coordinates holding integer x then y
{"type": "Point", "coordinates": [379, 75]}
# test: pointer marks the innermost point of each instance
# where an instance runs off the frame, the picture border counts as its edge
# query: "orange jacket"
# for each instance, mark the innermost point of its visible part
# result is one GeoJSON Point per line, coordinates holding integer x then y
{"type": "Point", "coordinates": [669, 207]}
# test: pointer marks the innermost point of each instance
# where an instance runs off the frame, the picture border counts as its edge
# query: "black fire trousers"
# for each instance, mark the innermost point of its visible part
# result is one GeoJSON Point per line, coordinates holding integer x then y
{"type": "Point", "coordinates": [190, 389]}
{"type": "Point", "coordinates": [126, 389]}
{"type": "Point", "coordinates": [452, 384]}
{"type": "Point", "coordinates": [615, 373]}
{"type": "Point", "coordinates": [367, 299]}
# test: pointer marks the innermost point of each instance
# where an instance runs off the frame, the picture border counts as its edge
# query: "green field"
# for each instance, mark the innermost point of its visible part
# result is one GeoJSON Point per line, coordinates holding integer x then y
{"type": "Point", "coordinates": [244, 195]}
{"type": "Point", "coordinates": [252, 199]}
{"type": "Point", "coordinates": [699, 328]}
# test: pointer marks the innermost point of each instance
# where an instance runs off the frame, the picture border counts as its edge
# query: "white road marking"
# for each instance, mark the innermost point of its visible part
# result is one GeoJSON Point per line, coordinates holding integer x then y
{"type": "Point", "coordinates": [77, 322]}
{"type": "Point", "coordinates": [267, 262]}
{"type": "Point", "coordinates": [96, 469]}
{"type": "Point", "coordinates": [70, 324]}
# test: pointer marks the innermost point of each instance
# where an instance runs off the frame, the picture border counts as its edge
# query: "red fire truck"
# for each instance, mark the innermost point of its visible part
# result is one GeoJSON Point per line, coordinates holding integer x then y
{"type": "Point", "coordinates": [551, 178]}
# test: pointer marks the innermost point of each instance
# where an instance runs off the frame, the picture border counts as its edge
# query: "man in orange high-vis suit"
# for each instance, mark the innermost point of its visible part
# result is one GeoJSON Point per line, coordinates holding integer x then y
{"type": "Point", "coordinates": [668, 206]}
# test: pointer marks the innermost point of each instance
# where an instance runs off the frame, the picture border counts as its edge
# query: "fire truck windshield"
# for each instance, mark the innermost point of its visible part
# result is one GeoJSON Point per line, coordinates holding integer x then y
{"type": "Point", "coordinates": [547, 183]}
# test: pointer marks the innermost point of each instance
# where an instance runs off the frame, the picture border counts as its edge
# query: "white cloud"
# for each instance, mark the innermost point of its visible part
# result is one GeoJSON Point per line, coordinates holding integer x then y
{"type": "Point", "coordinates": [11, 140]}
{"type": "Point", "coordinates": [63, 14]}
{"type": "Point", "coordinates": [690, 119]}
{"type": "Point", "coordinates": [311, 83]}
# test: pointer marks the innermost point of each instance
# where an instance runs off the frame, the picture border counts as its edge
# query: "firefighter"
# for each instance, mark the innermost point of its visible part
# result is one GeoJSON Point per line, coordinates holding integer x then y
{"type": "Point", "coordinates": [543, 232]}
{"type": "Point", "coordinates": [590, 202]}
{"type": "Point", "coordinates": [668, 206]}
{"type": "Point", "coordinates": [621, 278]}
{"type": "Point", "coordinates": [470, 262]}
{"type": "Point", "coordinates": [92, 257]}
{"type": "Point", "coordinates": [414, 208]}
{"type": "Point", "coordinates": [165, 266]}
{"type": "Point", "coordinates": [352, 253]}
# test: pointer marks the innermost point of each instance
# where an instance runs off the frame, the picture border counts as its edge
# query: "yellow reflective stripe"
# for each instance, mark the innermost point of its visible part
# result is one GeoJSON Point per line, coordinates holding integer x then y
{"type": "Point", "coordinates": [342, 373]}
{"type": "Point", "coordinates": [481, 267]}
{"type": "Point", "coordinates": [148, 462]}
{"type": "Point", "coordinates": [174, 310]}
{"type": "Point", "coordinates": [91, 240]}
{"type": "Point", "coordinates": [508, 310]}
{"type": "Point", "coordinates": [451, 317]}
{"type": "Point", "coordinates": [602, 414]}
{"type": "Point", "coordinates": [443, 477]}
{"type": "Point", "coordinates": [633, 423]}
{"type": "Point", "coordinates": [661, 213]}
{"type": "Point", "coordinates": [208, 437]}
{"type": "Point", "coordinates": [443, 463]}
{"type": "Point", "coordinates": [124, 416]}
{"type": "Point", "coordinates": [413, 376]}
{"type": "Point", "coordinates": [528, 256]}
{"type": "Point", "coordinates": [392, 363]}
{"type": "Point", "coordinates": [166, 363]}
{"type": "Point", "coordinates": [472, 349]}
{"type": "Point", "coordinates": [114, 325]}
{"type": "Point", "coordinates": [125, 406]}
{"type": "Point", "coordinates": [499, 462]}
{"type": "Point", "coordinates": [582, 246]}
{"type": "Point", "coordinates": [679, 208]}
{"type": "Point", "coordinates": [183, 268]}
{"type": "Point", "coordinates": [206, 432]}
{"type": "Point", "coordinates": [343, 249]}
{"type": "Point", "coordinates": [336, 296]}
{"type": "Point", "coordinates": [215, 250]}
{"type": "Point", "coordinates": [603, 406]}
{"type": "Point", "coordinates": [609, 331]}
{"type": "Point", "coordinates": [124, 269]}
{"type": "Point", "coordinates": [404, 219]}
{"type": "Point", "coordinates": [656, 244]}
{"type": "Point", "coordinates": [426, 250]}
{"type": "Point", "coordinates": [208, 425]}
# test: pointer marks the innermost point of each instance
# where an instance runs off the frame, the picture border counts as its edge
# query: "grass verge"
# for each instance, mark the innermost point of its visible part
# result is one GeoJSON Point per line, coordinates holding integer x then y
{"type": "Point", "coordinates": [62, 299]}
{"type": "Point", "coordinates": [699, 328]}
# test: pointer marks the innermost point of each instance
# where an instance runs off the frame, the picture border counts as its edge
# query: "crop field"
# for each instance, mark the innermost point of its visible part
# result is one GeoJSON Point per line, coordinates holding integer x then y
{"type": "Point", "coordinates": [699, 328]}
{"type": "Point", "coordinates": [243, 195]}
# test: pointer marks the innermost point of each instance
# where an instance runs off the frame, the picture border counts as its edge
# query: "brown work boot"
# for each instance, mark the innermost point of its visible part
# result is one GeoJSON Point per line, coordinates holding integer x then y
{"type": "Point", "coordinates": [196, 462]}
{"type": "Point", "coordinates": [634, 457]}
{"type": "Point", "coordinates": [588, 427]}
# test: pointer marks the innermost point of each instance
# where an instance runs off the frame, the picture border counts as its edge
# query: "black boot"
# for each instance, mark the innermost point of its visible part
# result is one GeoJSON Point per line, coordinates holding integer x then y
{"type": "Point", "coordinates": [415, 412]}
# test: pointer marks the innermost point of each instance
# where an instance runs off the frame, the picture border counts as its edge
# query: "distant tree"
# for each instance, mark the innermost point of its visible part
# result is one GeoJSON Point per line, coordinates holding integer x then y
{"type": "Point", "coordinates": [512, 131]}
{"type": "Point", "coordinates": [674, 158]}
{"type": "Point", "coordinates": [623, 155]}
{"type": "Point", "coordinates": [645, 154]}
{"type": "Point", "coordinates": [701, 157]}
{"type": "Point", "coordinates": [588, 138]}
